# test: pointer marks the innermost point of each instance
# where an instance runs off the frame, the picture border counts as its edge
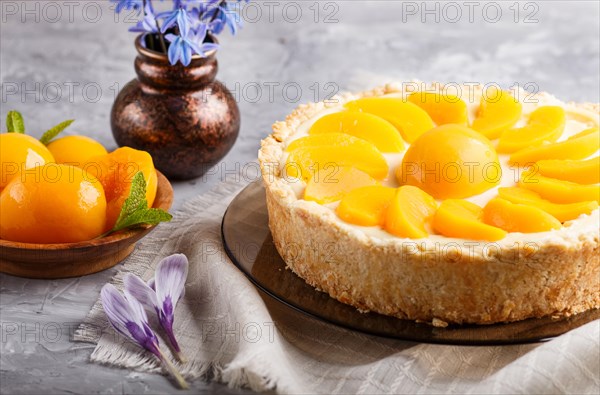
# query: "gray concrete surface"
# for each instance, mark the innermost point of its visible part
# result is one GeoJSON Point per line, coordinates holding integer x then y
{"type": "Point", "coordinates": [61, 60]}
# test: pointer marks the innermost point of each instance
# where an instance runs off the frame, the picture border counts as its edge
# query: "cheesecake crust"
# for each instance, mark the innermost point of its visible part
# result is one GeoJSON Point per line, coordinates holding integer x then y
{"type": "Point", "coordinates": [437, 280]}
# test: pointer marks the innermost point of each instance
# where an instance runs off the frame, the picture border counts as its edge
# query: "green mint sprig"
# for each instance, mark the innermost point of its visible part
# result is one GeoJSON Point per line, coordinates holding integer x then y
{"type": "Point", "coordinates": [135, 210]}
{"type": "Point", "coordinates": [14, 122]}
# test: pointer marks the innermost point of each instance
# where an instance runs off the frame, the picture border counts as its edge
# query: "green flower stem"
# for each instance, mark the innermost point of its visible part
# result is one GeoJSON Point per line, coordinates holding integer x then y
{"type": "Point", "coordinates": [180, 357]}
{"type": "Point", "coordinates": [161, 37]}
{"type": "Point", "coordinates": [173, 371]}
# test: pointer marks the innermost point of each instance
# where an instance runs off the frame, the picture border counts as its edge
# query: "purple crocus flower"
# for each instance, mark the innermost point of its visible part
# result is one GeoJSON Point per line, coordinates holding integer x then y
{"type": "Point", "coordinates": [166, 290]}
{"type": "Point", "coordinates": [128, 318]}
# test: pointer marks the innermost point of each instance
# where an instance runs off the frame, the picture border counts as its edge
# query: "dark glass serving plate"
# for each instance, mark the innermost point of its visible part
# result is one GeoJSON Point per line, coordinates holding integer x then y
{"type": "Point", "coordinates": [249, 244]}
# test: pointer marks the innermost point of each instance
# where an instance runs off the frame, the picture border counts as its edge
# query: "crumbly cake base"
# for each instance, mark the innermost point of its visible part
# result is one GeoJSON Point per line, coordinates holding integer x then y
{"type": "Point", "coordinates": [413, 280]}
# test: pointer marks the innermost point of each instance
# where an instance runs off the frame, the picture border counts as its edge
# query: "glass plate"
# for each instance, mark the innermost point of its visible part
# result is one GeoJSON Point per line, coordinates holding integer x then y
{"type": "Point", "coordinates": [249, 244]}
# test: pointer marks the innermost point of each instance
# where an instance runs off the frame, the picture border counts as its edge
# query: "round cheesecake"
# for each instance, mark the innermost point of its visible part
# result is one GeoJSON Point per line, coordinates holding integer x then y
{"type": "Point", "coordinates": [437, 278]}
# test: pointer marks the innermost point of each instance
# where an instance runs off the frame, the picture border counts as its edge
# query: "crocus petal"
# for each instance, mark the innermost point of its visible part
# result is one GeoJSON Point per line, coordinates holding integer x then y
{"type": "Point", "coordinates": [129, 318]}
{"type": "Point", "coordinates": [116, 308]}
{"type": "Point", "coordinates": [170, 277]}
{"type": "Point", "coordinates": [140, 291]}
{"type": "Point", "coordinates": [162, 294]}
{"type": "Point", "coordinates": [138, 314]}
{"type": "Point", "coordinates": [138, 328]}
{"type": "Point", "coordinates": [151, 284]}
{"type": "Point", "coordinates": [169, 281]}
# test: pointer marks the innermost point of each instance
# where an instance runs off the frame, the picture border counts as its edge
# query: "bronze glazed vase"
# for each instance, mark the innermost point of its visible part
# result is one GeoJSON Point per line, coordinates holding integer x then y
{"type": "Point", "coordinates": [183, 116]}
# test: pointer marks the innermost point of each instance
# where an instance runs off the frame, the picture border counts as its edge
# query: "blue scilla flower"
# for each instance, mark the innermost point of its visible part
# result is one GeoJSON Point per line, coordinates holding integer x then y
{"type": "Point", "coordinates": [223, 14]}
{"type": "Point", "coordinates": [128, 5]}
{"type": "Point", "coordinates": [179, 17]}
{"type": "Point", "coordinates": [148, 24]}
{"type": "Point", "coordinates": [183, 47]}
{"type": "Point", "coordinates": [187, 24]}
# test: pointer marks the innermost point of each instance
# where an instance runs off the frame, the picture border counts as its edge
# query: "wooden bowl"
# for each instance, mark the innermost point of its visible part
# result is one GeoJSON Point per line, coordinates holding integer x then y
{"type": "Point", "coordinates": [77, 259]}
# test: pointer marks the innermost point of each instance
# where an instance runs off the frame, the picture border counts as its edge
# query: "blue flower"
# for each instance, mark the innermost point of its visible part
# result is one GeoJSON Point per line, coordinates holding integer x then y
{"type": "Point", "coordinates": [197, 10]}
{"type": "Point", "coordinates": [148, 24]}
{"type": "Point", "coordinates": [223, 13]}
{"type": "Point", "coordinates": [128, 5]}
{"type": "Point", "coordinates": [188, 23]}
{"type": "Point", "coordinates": [183, 47]}
{"type": "Point", "coordinates": [180, 17]}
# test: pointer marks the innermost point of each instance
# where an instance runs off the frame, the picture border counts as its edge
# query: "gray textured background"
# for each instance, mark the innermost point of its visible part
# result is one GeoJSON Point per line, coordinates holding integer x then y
{"type": "Point", "coordinates": [62, 60]}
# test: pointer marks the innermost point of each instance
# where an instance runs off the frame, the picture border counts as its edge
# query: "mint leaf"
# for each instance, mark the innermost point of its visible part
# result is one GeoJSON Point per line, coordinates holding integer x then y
{"type": "Point", "coordinates": [135, 210]}
{"type": "Point", "coordinates": [55, 131]}
{"type": "Point", "coordinates": [137, 197]}
{"type": "Point", "coordinates": [14, 122]}
{"type": "Point", "coordinates": [149, 216]}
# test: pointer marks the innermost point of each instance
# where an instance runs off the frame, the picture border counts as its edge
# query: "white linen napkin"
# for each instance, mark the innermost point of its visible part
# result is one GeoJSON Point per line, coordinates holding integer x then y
{"type": "Point", "coordinates": [230, 333]}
